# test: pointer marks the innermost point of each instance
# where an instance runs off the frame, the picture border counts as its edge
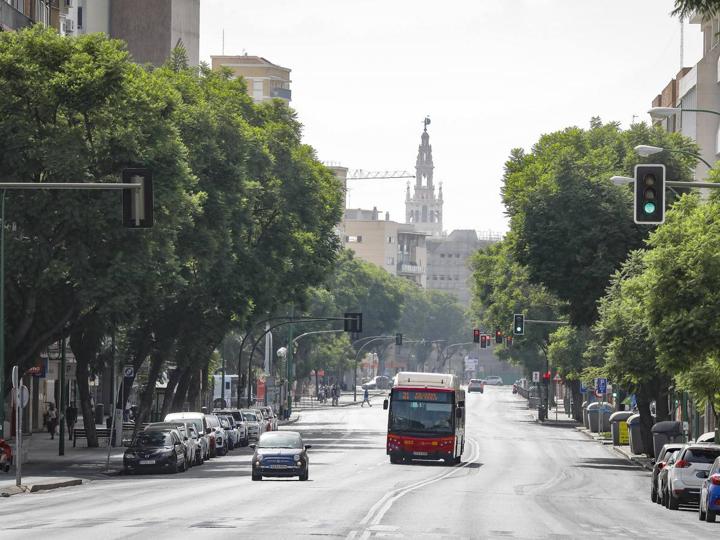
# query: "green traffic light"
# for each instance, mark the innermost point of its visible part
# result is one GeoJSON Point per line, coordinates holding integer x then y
{"type": "Point", "coordinates": [649, 207]}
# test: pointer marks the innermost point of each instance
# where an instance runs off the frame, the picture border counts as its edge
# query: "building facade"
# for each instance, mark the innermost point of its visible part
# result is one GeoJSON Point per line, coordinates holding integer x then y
{"type": "Point", "coordinates": [18, 14]}
{"type": "Point", "coordinates": [697, 87]}
{"type": "Point", "coordinates": [265, 80]}
{"type": "Point", "coordinates": [397, 248]}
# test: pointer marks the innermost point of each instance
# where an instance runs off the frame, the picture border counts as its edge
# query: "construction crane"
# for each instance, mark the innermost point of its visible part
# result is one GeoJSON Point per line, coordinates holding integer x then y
{"type": "Point", "coordinates": [360, 174]}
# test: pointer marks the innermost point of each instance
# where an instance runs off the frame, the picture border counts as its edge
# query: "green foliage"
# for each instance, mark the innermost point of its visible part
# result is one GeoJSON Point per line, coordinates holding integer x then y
{"type": "Point", "coordinates": [570, 226]}
{"type": "Point", "coordinates": [501, 288]}
{"type": "Point", "coordinates": [684, 9]}
{"type": "Point", "coordinates": [566, 351]}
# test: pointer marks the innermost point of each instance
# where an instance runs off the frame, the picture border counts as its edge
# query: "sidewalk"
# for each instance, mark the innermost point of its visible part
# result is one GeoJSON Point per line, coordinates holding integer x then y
{"type": "Point", "coordinates": [42, 466]}
{"type": "Point", "coordinates": [345, 400]}
{"type": "Point", "coordinates": [640, 460]}
{"type": "Point", "coordinates": [556, 417]}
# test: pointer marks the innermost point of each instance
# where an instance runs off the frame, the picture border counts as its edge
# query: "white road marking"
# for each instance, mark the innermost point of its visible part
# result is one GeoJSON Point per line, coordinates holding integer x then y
{"type": "Point", "coordinates": [380, 508]}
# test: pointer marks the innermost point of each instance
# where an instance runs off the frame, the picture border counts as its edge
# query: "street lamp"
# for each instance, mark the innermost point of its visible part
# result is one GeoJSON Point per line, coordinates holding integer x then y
{"type": "Point", "coordinates": [660, 113]}
{"type": "Point", "coordinates": [646, 150]}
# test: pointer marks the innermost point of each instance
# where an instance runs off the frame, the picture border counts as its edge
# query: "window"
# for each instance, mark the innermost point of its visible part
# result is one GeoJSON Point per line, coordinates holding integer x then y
{"type": "Point", "coordinates": [434, 278]}
{"type": "Point", "coordinates": [390, 239]}
{"type": "Point", "coordinates": [442, 255]}
{"type": "Point", "coordinates": [257, 90]}
{"type": "Point", "coordinates": [442, 278]}
{"type": "Point", "coordinates": [80, 17]}
{"type": "Point", "coordinates": [457, 255]}
{"type": "Point", "coordinates": [391, 260]}
{"type": "Point", "coordinates": [353, 239]}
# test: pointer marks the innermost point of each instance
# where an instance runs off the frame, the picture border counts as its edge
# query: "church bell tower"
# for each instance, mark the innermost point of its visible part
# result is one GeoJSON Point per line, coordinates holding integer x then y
{"type": "Point", "coordinates": [424, 209]}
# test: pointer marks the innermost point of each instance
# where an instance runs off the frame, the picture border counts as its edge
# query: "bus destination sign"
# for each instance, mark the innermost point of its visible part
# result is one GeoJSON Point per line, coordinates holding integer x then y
{"type": "Point", "coordinates": [420, 395]}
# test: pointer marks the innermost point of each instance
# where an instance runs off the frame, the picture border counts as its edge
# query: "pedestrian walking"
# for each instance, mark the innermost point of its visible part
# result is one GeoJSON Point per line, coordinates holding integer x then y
{"type": "Point", "coordinates": [366, 398]}
{"type": "Point", "coordinates": [52, 420]}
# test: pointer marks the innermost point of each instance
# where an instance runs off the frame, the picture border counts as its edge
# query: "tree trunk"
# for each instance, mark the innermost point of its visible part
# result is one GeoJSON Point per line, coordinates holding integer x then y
{"type": "Point", "coordinates": [662, 410]}
{"type": "Point", "coordinates": [147, 393]}
{"type": "Point", "coordinates": [576, 401]}
{"type": "Point", "coordinates": [194, 388]}
{"type": "Point", "coordinates": [181, 392]}
{"type": "Point", "coordinates": [82, 375]}
{"type": "Point", "coordinates": [646, 421]}
{"type": "Point", "coordinates": [170, 391]}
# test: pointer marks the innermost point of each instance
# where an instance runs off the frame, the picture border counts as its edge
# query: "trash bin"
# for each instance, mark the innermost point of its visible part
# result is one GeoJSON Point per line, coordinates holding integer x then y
{"type": "Point", "coordinates": [619, 427]}
{"type": "Point", "coordinates": [634, 432]}
{"type": "Point", "coordinates": [586, 422]}
{"type": "Point", "coordinates": [599, 416]}
{"type": "Point", "coordinates": [666, 432]}
{"type": "Point", "coordinates": [99, 413]}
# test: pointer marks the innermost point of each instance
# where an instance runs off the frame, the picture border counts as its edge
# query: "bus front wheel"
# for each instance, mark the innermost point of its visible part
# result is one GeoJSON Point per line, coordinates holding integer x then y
{"type": "Point", "coordinates": [395, 459]}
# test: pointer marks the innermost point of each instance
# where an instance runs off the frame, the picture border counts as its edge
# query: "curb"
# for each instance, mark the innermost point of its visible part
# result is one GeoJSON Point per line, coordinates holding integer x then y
{"type": "Point", "coordinates": [35, 488]}
{"type": "Point", "coordinates": [632, 459]}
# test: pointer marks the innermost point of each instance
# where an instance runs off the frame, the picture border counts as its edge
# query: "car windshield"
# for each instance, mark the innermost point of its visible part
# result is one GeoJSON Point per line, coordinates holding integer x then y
{"type": "Point", "coordinates": [250, 417]}
{"type": "Point", "coordinates": [153, 438]}
{"type": "Point", "coordinates": [278, 439]}
{"type": "Point", "coordinates": [701, 455]}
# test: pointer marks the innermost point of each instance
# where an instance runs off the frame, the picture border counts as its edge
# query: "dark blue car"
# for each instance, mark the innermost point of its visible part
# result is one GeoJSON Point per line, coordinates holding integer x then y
{"type": "Point", "coordinates": [280, 454]}
{"type": "Point", "coordinates": [710, 494]}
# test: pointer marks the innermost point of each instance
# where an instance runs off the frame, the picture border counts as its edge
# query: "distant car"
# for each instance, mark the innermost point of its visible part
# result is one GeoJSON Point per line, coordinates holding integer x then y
{"type": "Point", "coordinates": [710, 494]}
{"type": "Point", "coordinates": [198, 420]}
{"type": "Point", "coordinates": [239, 423]}
{"type": "Point", "coordinates": [378, 383]}
{"type": "Point", "coordinates": [220, 446]}
{"type": "Point", "coordinates": [232, 437]}
{"type": "Point", "coordinates": [663, 477]}
{"type": "Point", "coordinates": [665, 452]}
{"type": "Point", "coordinates": [272, 418]}
{"type": "Point", "coordinates": [494, 380]}
{"type": "Point", "coordinates": [476, 385]}
{"type": "Point", "coordinates": [280, 453]}
{"type": "Point", "coordinates": [155, 450]}
{"type": "Point", "coordinates": [255, 425]}
{"type": "Point", "coordinates": [686, 477]}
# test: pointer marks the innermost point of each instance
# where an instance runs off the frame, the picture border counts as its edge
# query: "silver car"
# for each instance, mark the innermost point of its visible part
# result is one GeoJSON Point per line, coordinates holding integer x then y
{"type": "Point", "coordinates": [255, 424]}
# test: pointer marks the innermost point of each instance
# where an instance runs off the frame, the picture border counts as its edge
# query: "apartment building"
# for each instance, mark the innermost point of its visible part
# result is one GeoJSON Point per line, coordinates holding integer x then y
{"type": "Point", "coordinates": [265, 80]}
{"type": "Point", "coordinates": [18, 14]}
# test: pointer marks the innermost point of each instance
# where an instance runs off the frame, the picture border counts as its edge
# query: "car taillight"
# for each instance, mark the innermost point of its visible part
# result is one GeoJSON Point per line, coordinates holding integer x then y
{"type": "Point", "coordinates": [682, 464]}
{"type": "Point", "coordinates": [715, 479]}
{"type": "Point", "coordinates": [661, 465]}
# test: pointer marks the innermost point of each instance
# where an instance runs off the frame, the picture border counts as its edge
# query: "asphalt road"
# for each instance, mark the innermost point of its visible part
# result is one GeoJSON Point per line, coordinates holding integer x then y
{"type": "Point", "coordinates": [518, 479]}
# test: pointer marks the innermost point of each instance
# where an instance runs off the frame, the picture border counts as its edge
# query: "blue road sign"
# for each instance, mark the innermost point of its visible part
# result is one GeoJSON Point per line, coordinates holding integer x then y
{"type": "Point", "coordinates": [602, 386]}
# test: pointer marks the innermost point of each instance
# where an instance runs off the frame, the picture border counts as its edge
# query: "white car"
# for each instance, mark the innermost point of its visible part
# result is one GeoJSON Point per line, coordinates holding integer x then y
{"type": "Point", "coordinates": [231, 433]}
{"type": "Point", "coordinates": [494, 380]}
{"type": "Point", "coordinates": [240, 424]}
{"type": "Point", "coordinates": [686, 477]}
{"type": "Point", "coordinates": [255, 425]}
{"type": "Point", "coordinates": [200, 424]}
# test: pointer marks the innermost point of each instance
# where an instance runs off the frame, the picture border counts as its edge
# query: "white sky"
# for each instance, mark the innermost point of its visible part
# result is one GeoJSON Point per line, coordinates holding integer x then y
{"type": "Point", "coordinates": [492, 75]}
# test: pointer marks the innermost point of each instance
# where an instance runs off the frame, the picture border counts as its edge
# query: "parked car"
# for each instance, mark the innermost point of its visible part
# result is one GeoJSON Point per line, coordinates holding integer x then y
{"type": "Point", "coordinates": [190, 445]}
{"type": "Point", "coordinates": [198, 420]}
{"type": "Point", "coordinates": [381, 382]}
{"type": "Point", "coordinates": [271, 416]}
{"type": "Point", "coordinates": [232, 437]}
{"type": "Point", "coordinates": [685, 479]}
{"type": "Point", "coordinates": [663, 477]}
{"type": "Point", "coordinates": [706, 437]}
{"type": "Point", "coordinates": [710, 494]}
{"type": "Point", "coordinates": [494, 380]}
{"type": "Point", "coordinates": [213, 423]}
{"type": "Point", "coordinates": [665, 452]}
{"type": "Point", "coordinates": [155, 450]}
{"type": "Point", "coordinates": [280, 453]}
{"type": "Point", "coordinates": [256, 426]}
{"type": "Point", "coordinates": [239, 424]}
{"type": "Point", "coordinates": [476, 385]}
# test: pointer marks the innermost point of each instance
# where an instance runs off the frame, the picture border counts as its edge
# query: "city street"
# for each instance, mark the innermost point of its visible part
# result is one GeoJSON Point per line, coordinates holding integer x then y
{"type": "Point", "coordinates": [517, 480]}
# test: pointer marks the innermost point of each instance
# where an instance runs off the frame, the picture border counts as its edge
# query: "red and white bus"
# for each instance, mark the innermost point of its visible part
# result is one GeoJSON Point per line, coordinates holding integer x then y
{"type": "Point", "coordinates": [426, 418]}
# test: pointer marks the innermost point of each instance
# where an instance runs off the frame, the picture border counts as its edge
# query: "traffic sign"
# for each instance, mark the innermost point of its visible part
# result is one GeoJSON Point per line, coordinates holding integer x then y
{"type": "Point", "coordinates": [557, 378]}
{"type": "Point", "coordinates": [601, 385]}
{"type": "Point", "coordinates": [536, 376]}
{"type": "Point", "coordinates": [128, 371]}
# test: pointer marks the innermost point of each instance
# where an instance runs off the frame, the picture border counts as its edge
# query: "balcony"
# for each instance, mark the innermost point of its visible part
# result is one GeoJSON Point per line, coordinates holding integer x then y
{"type": "Point", "coordinates": [409, 268]}
{"type": "Point", "coordinates": [282, 93]}
{"type": "Point", "coordinates": [12, 19]}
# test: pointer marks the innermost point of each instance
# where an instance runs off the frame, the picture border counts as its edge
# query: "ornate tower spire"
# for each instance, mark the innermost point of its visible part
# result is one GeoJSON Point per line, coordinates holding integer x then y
{"type": "Point", "coordinates": [424, 209]}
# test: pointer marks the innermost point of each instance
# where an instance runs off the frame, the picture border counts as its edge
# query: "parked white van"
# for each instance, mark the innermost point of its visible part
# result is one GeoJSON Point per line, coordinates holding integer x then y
{"type": "Point", "coordinates": [200, 423]}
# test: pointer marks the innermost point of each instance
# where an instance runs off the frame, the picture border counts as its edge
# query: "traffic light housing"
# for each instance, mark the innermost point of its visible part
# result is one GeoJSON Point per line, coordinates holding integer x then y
{"type": "Point", "coordinates": [484, 341]}
{"type": "Point", "coordinates": [353, 323]}
{"type": "Point", "coordinates": [508, 341]}
{"type": "Point", "coordinates": [649, 194]}
{"type": "Point", "coordinates": [498, 336]}
{"type": "Point", "coordinates": [137, 202]}
{"type": "Point", "coordinates": [519, 324]}
{"type": "Point", "coordinates": [398, 339]}
{"type": "Point", "coordinates": [476, 335]}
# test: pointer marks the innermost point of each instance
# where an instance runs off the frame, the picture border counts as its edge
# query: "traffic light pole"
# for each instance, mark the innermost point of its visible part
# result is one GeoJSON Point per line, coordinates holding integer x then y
{"type": "Point", "coordinates": [371, 339]}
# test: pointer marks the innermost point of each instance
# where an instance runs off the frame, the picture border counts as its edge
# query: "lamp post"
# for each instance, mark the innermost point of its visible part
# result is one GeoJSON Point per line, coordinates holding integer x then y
{"type": "Point", "coordinates": [646, 150]}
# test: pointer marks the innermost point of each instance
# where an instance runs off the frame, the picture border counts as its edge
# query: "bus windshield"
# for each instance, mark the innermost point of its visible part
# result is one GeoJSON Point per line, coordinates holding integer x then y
{"type": "Point", "coordinates": [421, 412]}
